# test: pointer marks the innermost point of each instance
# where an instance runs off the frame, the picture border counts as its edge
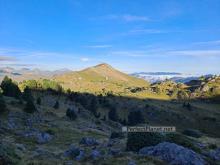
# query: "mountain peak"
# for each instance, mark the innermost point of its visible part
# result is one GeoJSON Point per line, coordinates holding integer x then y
{"type": "Point", "coordinates": [103, 65]}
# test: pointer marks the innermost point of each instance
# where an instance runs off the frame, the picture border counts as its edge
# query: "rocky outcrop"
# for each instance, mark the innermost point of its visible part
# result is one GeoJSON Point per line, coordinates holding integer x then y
{"type": "Point", "coordinates": [89, 141]}
{"type": "Point", "coordinates": [40, 137]}
{"type": "Point", "coordinates": [173, 154]}
{"type": "Point", "coordinates": [95, 154]}
{"type": "Point", "coordinates": [43, 137]}
{"type": "Point", "coordinates": [75, 153]}
{"type": "Point", "coordinates": [215, 155]}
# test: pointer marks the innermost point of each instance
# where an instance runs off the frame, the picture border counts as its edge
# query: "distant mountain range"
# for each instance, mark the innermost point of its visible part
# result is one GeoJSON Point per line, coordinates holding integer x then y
{"type": "Point", "coordinates": [161, 76]}
{"type": "Point", "coordinates": [26, 73]}
{"type": "Point", "coordinates": [101, 71]}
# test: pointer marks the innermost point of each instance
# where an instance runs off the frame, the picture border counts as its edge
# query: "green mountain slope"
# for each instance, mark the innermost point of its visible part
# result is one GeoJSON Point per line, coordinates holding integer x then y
{"type": "Point", "coordinates": [99, 78]}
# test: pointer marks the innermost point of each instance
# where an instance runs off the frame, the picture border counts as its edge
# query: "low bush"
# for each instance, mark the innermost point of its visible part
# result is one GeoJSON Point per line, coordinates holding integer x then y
{"type": "Point", "coordinates": [30, 107]}
{"type": "Point", "coordinates": [2, 105]}
{"type": "Point", "coordinates": [183, 141]}
{"type": "Point", "coordinates": [39, 101]}
{"type": "Point", "coordinates": [56, 105]}
{"type": "Point", "coordinates": [115, 135]}
{"type": "Point", "coordinates": [192, 133]}
{"type": "Point", "coordinates": [135, 117]}
{"type": "Point", "coordinates": [138, 140]}
{"type": "Point", "coordinates": [212, 146]}
{"type": "Point", "coordinates": [70, 113]}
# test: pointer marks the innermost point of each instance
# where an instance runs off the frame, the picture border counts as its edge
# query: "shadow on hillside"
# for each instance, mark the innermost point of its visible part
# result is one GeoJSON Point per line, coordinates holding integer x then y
{"type": "Point", "coordinates": [203, 115]}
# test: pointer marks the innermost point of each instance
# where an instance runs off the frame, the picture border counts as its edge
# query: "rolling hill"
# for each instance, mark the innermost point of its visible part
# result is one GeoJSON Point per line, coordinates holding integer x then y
{"type": "Point", "coordinates": [98, 78]}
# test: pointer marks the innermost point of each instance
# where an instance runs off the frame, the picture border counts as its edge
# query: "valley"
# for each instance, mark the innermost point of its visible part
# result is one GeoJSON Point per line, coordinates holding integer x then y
{"type": "Point", "coordinates": [77, 117]}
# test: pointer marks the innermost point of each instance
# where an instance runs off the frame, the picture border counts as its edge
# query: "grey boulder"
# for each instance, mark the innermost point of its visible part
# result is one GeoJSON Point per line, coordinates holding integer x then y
{"type": "Point", "coordinates": [173, 154]}
{"type": "Point", "coordinates": [74, 152]}
{"type": "Point", "coordinates": [215, 155]}
{"type": "Point", "coordinates": [89, 141]}
{"type": "Point", "coordinates": [43, 137]}
{"type": "Point", "coordinates": [95, 154]}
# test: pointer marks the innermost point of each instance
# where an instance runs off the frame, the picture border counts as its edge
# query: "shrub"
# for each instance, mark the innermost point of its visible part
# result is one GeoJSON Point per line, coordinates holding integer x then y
{"type": "Point", "coordinates": [56, 105]}
{"type": "Point", "coordinates": [30, 107]}
{"type": "Point", "coordinates": [209, 118]}
{"type": "Point", "coordinates": [27, 95]}
{"type": "Point", "coordinates": [10, 88]}
{"type": "Point", "coordinates": [138, 140]}
{"type": "Point", "coordinates": [98, 115]}
{"type": "Point", "coordinates": [39, 101]}
{"type": "Point", "coordinates": [112, 114]}
{"type": "Point", "coordinates": [32, 84]}
{"type": "Point", "coordinates": [119, 135]}
{"type": "Point", "coordinates": [212, 146]}
{"type": "Point", "coordinates": [182, 140]}
{"type": "Point", "coordinates": [192, 133]}
{"type": "Point", "coordinates": [71, 114]}
{"type": "Point", "coordinates": [49, 84]}
{"type": "Point", "coordinates": [104, 118]}
{"type": "Point", "coordinates": [123, 121]}
{"type": "Point", "coordinates": [2, 104]}
{"type": "Point", "coordinates": [187, 105]}
{"type": "Point", "coordinates": [135, 117]}
{"type": "Point", "coordinates": [94, 106]}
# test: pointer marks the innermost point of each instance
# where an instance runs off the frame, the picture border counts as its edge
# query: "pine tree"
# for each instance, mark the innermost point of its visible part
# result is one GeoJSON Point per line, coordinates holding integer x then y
{"type": "Point", "coordinates": [135, 117]}
{"type": "Point", "coordinates": [10, 88]}
{"type": "Point", "coordinates": [57, 105]}
{"type": "Point", "coordinates": [94, 106]}
{"type": "Point", "coordinates": [30, 107]}
{"type": "Point", "coordinates": [71, 114]}
{"type": "Point", "coordinates": [2, 104]}
{"type": "Point", "coordinates": [112, 115]}
{"type": "Point", "coordinates": [27, 95]}
{"type": "Point", "coordinates": [39, 101]}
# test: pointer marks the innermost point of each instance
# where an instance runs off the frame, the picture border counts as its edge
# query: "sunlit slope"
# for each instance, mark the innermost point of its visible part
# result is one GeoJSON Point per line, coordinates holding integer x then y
{"type": "Point", "coordinates": [99, 78]}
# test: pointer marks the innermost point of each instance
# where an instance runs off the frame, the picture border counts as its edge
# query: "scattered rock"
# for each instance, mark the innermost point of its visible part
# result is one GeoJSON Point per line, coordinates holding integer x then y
{"type": "Point", "coordinates": [21, 147]}
{"type": "Point", "coordinates": [215, 155]}
{"type": "Point", "coordinates": [43, 138]}
{"type": "Point", "coordinates": [89, 141]}
{"type": "Point", "coordinates": [173, 154]}
{"type": "Point", "coordinates": [114, 151]}
{"type": "Point", "coordinates": [95, 154]}
{"type": "Point", "coordinates": [111, 142]}
{"type": "Point", "coordinates": [131, 162]}
{"type": "Point", "coordinates": [75, 153]}
{"type": "Point", "coordinates": [81, 155]}
{"type": "Point", "coordinates": [68, 163]}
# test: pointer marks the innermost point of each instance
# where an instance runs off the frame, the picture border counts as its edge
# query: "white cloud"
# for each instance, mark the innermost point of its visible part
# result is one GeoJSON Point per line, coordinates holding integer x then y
{"type": "Point", "coordinates": [147, 31]}
{"type": "Point", "coordinates": [99, 46]}
{"type": "Point", "coordinates": [130, 18]}
{"type": "Point", "coordinates": [84, 59]}
{"type": "Point", "coordinates": [125, 17]}
{"type": "Point", "coordinates": [131, 53]}
{"type": "Point", "coordinates": [216, 42]}
{"type": "Point", "coordinates": [195, 52]}
{"type": "Point", "coordinates": [164, 53]}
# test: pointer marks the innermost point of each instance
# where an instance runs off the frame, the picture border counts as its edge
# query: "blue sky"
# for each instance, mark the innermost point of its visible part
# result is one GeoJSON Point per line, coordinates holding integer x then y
{"type": "Point", "coordinates": [142, 35]}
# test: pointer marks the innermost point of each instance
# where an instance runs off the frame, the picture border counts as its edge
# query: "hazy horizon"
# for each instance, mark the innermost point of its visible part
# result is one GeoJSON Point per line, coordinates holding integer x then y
{"type": "Point", "coordinates": [20, 68]}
